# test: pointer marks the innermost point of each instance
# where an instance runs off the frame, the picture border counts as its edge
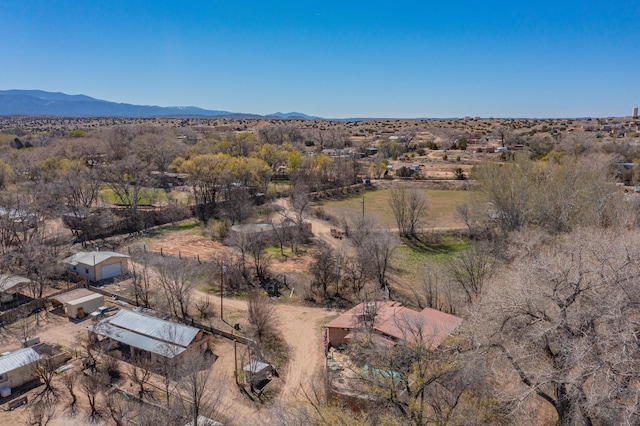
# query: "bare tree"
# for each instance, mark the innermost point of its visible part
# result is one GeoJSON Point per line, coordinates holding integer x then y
{"type": "Point", "coordinates": [139, 372]}
{"type": "Point", "coordinates": [326, 270]}
{"type": "Point", "coordinates": [92, 383]}
{"type": "Point", "coordinates": [433, 290]}
{"type": "Point", "coordinates": [118, 140]}
{"type": "Point", "coordinates": [504, 133]}
{"type": "Point", "coordinates": [128, 179]}
{"type": "Point", "coordinates": [563, 319]}
{"type": "Point", "coordinates": [261, 260]}
{"type": "Point", "coordinates": [176, 279]}
{"type": "Point", "coordinates": [262, 316]}
{"type": "Point", "coordinates": [243, 242]}
{"type": "Point", "coordinates": [141, 284]}
{"type": "Point", "coordinates": [410, 209]}
{"type": "Point", "coordinates": [378, 247]}
{"type": "Point", "coordinates": [470, 269]}
{"type": "Point", "coordinates": [507, 187]}
{"type": "Point", "coordinates": [45, 370]}
{"type": "Point", "coordinates": [24, 327]}
{"type": "Point", "coordinates": [199, 396]}
{"type": "Point", "coordinates": [119, 407]}
{"type": "Point", "coordinates": [69, 381]}
{"type": "Point", "coordinates": [80, 188]}
{"type": "Point", "coordinates": [204, 307]}
{"type": "Point", "coordinates": [40, 413]}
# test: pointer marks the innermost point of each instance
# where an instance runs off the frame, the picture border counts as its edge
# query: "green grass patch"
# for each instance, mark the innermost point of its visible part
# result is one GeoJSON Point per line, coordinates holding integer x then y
{"type": "Point", "coordinates": [185, 225]}
{"type": "Point", "coordinates": [409, 259]}
{"type": "Point", "coordinates": [278, 186]}
{"type": "Point", "coordinates": [286, 251]}
{"type": "Point", "coordinates": [147, 196]}
{"type": "Point", "coordinates": [441, 211]}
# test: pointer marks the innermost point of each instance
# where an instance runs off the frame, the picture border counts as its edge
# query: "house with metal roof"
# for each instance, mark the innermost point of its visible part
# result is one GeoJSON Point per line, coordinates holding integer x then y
{"type": "Point", "coordinates": [9, 285]}
{"type": "Point", "coordinates": [16, 368]}
{"type": "Point", "coordinates": [140, 336]}
{"type": "Point", "coordinates": [97, 265]}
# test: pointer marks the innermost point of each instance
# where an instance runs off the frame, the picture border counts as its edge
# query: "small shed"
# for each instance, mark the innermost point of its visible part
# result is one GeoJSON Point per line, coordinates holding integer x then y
{"type": "Point", "coordinates": [97, 265]}
{"type": "Point", "coordinates": [258, 372]}
{"type": "Point", "coordinates": [204, 421]}
{"type": "Point", "coordinates": [80, 302]}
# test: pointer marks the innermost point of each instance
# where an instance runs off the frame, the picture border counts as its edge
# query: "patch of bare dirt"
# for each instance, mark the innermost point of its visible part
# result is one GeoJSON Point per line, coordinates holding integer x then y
{"type": "Point", "coordinates": [302, 328]}
{"type": "Point", "coordinates": [187, 244]}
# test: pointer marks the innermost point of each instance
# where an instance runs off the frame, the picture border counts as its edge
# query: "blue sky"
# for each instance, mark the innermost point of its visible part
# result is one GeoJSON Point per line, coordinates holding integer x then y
{"type": "Point", "coordinates": [332, 58]}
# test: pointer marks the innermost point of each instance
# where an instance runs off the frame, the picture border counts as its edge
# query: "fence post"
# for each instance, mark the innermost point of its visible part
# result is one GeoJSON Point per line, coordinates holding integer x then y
{"type": "Point", "coordinates": [161, 253]}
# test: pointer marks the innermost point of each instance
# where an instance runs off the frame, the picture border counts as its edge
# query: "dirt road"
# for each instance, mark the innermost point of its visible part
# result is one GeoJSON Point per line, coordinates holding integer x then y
{"type": "Point", "coordinates": [302, 329]}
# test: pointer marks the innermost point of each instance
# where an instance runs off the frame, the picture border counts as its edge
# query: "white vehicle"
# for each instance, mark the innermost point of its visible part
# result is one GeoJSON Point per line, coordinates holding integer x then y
{"type": "Point", "coordinates": [100, 311]}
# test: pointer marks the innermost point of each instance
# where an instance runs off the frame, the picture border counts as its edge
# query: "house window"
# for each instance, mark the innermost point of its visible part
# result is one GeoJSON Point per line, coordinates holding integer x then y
{"type": "Point", "coordinates": [86, 270]}
{"type": "Point", "coordinates": [3, 377]}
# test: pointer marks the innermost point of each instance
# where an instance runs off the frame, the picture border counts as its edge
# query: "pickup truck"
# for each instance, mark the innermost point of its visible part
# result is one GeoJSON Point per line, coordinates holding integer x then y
{"type": "Point", "coordinates": [100, 311]}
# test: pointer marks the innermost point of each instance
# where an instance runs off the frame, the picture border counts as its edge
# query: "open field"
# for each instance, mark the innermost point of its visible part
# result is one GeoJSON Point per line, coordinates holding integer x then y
{"type": "Point", "coordinates": [441, 214]}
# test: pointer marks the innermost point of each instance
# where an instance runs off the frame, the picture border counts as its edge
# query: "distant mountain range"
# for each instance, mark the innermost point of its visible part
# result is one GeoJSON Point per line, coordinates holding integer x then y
{"type": "Point", "coordinates": [41, 103]}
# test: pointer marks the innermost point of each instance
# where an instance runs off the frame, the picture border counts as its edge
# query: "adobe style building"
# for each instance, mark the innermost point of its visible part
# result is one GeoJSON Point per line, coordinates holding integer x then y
{"type": "Point", "coordinates": [391, 323]}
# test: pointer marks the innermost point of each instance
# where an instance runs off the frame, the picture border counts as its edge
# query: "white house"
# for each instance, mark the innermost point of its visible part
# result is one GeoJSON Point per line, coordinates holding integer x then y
{"type": "Point", "coordinates": [97, 265]}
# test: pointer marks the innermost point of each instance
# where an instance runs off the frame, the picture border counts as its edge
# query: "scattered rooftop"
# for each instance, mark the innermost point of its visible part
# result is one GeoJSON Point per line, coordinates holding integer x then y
{"type": "Point", "coordinates": [146, 332]}
{"type": "Point", "coordinates": [92, 258]}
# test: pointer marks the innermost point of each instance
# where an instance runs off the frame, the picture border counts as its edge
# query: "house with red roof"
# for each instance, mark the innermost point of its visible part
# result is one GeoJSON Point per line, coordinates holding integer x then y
{"type": "Point", "coordinates": [391, 323]}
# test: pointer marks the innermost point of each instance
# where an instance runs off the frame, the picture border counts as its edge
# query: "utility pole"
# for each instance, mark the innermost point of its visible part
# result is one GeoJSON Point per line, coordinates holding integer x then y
{"type": "Point", "coordinates": [223, 269]}
{"type": "Point", "coordinates": [363, 208]}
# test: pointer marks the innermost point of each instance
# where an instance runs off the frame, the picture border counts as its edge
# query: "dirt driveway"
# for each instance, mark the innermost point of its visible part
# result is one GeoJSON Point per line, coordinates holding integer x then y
{"type": "Point", "coordinates": [302, 328]}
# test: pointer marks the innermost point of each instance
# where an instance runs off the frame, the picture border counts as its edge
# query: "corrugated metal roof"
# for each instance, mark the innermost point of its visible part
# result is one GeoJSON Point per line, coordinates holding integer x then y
{"type": "Point", "coordinates": [205, 421]}
{"type": "Point", "coordinates": [7, 282]}
{"type": "Point", "coordinates": [104, 328]}
{"type": "Point", "coordinates": [146, 332]}
{"type": "Point", "coordinates": [17, 359]}
{"type": "Point", "coordinates": [92, 258]}
{"type": "Point", "coordinates": [255, 366]}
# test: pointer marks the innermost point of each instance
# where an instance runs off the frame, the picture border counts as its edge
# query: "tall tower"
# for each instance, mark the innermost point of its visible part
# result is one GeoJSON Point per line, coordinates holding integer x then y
{"type": "Point", "coordinates": [635, 112]}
